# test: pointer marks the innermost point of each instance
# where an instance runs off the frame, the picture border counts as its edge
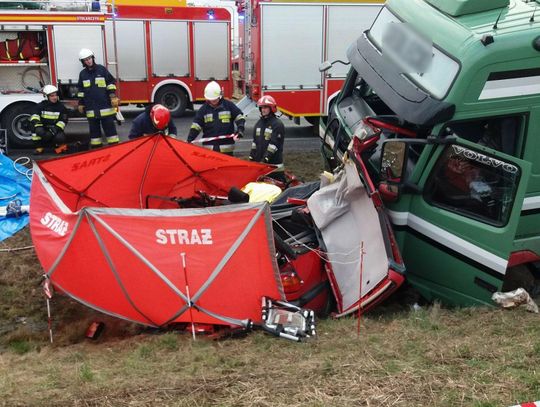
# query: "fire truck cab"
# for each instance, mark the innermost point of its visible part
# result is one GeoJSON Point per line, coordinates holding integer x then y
{"type": "Point", "coordinates": [158, 54]}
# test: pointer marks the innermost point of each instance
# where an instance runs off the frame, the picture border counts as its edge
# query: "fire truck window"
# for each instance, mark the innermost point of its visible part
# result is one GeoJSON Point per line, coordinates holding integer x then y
{"type": "Point", "coordinates": [473, 184]}
{"type": "Point", "coordinates": [500, 133]}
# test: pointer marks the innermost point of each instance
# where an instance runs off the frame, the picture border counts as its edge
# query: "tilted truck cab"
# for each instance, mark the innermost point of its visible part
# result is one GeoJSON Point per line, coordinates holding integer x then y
{"type": "Point", "coordinates": [452, 88]}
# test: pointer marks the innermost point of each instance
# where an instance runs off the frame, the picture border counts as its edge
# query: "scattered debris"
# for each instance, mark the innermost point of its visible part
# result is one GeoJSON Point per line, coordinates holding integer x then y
{"type": "Point", "coordinates": [95, 330]}
{"type": "Point", "coordinates": [512, 299]}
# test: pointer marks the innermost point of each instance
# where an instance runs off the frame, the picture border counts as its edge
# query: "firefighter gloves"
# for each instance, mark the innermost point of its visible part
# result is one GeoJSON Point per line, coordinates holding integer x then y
{"type": "Point", "coordinates": [80, 108]}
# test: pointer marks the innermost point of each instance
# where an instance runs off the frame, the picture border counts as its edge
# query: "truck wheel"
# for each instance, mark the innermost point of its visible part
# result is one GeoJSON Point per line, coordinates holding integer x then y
{"type": "Point", "coordinates": [16, 120]}
{"type": "Point", "coordinates": [173, 98]}
{"type": "Point", "coordinates": [518, 276]}
{"type": "Point", "coordinates": [314, 121]}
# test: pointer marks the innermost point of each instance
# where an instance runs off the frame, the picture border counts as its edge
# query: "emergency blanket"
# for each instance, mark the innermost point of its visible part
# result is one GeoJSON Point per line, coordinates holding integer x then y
{"type": "Point", "coordinates": [101, 241]}
{"type": "Point", "coordinates": [350, 224]}
{"type": "Point", "coordinates": [14, 188]}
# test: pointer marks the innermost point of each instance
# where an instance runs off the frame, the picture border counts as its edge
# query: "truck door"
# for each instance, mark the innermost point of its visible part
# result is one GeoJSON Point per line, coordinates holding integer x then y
{"type": "Point", "coordinates": [461, 228]}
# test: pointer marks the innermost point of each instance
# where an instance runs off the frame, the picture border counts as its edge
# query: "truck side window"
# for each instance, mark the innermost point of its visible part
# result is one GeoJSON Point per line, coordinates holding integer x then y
{"type": "Point", "coordinates": [499, 133]}
{"type": "Point", "coordinates": [473, 184]}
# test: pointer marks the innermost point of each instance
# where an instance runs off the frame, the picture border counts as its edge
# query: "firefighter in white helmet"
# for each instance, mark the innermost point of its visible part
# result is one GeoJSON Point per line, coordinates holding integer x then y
{"type": "Point", "coordinates": [49, 119]}
{"type": "Point", "coordinates": [217, 117]}
{"type": "Point", "coordinates": [269, 137]}
{"type": "Point", "coordinates": [97, 99]}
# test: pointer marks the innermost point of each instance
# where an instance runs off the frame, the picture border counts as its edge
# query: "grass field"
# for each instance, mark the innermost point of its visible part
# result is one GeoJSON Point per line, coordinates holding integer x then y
{"type": "Point", "coordinates": [400, 357]}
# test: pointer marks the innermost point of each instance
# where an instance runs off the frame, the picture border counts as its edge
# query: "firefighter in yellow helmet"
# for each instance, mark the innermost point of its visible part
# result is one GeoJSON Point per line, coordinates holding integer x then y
{"type": "Point", "coordinates": [49, 119]}
{"type": "Point", "coordinates": [217, 117]}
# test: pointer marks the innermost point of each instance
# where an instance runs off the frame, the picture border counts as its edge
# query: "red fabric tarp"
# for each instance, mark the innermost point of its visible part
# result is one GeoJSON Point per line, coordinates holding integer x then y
{"type": "Point", "coordinates": [99, 244]}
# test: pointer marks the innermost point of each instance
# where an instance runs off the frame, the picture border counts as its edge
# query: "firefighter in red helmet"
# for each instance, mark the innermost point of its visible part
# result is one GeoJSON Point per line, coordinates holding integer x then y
{"type": "Point", "coordinates": [268, 137]}
{"type": "Point", "coordinates": [155, 119]}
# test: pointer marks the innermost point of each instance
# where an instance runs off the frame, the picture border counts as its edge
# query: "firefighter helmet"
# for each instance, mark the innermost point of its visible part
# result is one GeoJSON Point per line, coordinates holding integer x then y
{"type": "Point", "coordinates": [49, 89]}
{"type": "Point", "coordinates": [160, 116]}
{"type": "Point", "coordinates": [85, 53]}
{"type": "Point", "coordinates": [269, 101]}
{"type": "Point", "coordinates": [212, 91]}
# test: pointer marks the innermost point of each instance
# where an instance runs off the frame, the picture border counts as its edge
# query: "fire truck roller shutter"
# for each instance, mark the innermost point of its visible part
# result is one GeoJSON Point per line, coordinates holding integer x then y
{"type": "Point", "coordinates": [131, 49]}
{"type": "Point", "coordinates": [291, 66]}
{"type": "Point", "coordinates": [211, 42]}
{"type": "Point", "coordinates": [345, 24]}
{"type": "Point", "coordinates": [169, 61]}
{"type": "Point", "coordinates": [68, 41]}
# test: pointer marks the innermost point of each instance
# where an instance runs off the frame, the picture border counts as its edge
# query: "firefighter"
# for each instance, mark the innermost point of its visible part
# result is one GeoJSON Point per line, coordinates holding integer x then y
{"type": "Point", "coordinates": [154, 120]}
{"type": "Point", "coordinates": [49, 119]}
{"type": "Point", "coordinates": [97, 98]}
{"type": "Point", "coordinates": [268, 137]}
{"type": "Point", "coordinates": [217, 117]}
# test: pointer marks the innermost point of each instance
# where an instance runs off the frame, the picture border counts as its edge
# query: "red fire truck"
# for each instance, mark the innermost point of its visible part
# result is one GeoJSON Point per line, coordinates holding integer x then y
{"type": "Point", "coordinates": [283, 43]}
{"type": "Point", "coordinates": [157, 53]}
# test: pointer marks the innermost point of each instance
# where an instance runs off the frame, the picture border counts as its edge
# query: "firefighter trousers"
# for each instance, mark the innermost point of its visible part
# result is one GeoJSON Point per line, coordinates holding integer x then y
{"type": "Point", "coordinates": [109, 128]}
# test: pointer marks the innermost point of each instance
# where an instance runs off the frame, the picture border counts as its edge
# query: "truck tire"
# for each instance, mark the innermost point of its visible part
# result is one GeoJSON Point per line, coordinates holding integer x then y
{"type": "Point", "coordinates": [16, 120]}
{"type": "Point", "coordinates": [173, 98]}
{"type": "Point", "coordinates": [313, 120]}
{"type": "Point", "coordinates": [519, 277]}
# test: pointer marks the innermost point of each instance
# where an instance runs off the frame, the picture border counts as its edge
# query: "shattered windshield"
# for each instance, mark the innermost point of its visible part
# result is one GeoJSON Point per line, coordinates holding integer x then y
{"type": "Point", "coordinates": [416, 57]}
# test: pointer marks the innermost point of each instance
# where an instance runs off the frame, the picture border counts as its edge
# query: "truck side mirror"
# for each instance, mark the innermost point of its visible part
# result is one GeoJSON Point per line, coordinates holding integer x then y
{"type": "Point", "coordinates": [393, 161]}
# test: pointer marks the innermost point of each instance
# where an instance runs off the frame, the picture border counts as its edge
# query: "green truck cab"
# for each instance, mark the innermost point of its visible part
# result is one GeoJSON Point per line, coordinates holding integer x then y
{"type": "Point", "coordinates": [451, 89]}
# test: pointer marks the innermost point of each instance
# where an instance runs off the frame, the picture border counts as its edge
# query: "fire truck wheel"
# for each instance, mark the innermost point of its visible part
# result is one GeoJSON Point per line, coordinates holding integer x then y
{"type": "Point", "coordinates": [16, 120]}
{"type": "Point", "coordinates": [173, 98]}
{"type": "Point", "coordinates": [313, 120]}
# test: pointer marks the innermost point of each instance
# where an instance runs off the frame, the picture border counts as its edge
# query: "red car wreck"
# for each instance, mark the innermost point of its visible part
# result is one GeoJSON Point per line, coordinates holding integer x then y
{"type": "Point", "coordinates": [145, 231]}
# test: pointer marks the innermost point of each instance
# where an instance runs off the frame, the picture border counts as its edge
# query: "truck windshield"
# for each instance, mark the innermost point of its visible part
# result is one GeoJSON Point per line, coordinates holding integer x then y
{"type": "Point", "coordinates": [439, 72]}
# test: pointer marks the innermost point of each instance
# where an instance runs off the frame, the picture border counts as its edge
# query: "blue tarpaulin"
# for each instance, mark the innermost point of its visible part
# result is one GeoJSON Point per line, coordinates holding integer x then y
{"type": "Point", "coordinates": [13, 185]}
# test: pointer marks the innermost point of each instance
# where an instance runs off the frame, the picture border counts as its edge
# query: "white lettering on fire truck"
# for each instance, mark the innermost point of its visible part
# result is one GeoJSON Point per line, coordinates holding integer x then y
{"type": "Point", "coordinates": [54, 223]}
{"type": "Point", "coordinates": [184, 236]}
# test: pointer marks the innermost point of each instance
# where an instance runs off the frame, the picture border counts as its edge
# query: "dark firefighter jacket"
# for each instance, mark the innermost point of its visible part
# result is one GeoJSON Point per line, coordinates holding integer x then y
{"type": "Point", "coordinates": [96, 84]}
{"type": "Point", "coordinates": [268, 138]}
{"type": "Point", "coordinates": [49, 114]}
{"type": "Point", "coordinates": [218, 121]}
{"type": "Point", "coordinates": [142, 125]}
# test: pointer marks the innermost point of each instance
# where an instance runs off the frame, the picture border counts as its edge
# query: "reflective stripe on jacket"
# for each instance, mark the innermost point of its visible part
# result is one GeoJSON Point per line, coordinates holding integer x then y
{"type": "Point", "coordinates": [268, 139]}
{"type": "Point", "coordinates": [95, 85]}
{"type": "Point", "coordinates": [218, 121]}
{"type": "Point", "coordinates": [47, 114]}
